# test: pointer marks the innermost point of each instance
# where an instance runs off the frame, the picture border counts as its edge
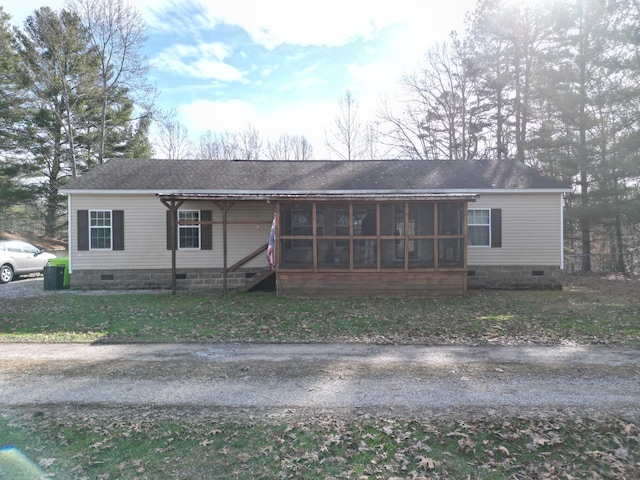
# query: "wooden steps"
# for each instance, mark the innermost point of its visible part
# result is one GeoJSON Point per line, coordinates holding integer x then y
{"type": "Point", "coordinates": [254, 282]}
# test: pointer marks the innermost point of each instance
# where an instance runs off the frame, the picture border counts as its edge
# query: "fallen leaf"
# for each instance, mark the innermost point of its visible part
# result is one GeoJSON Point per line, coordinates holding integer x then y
{"type": "Point", "coordinates": [504, 450]}
{"type": "Point", "coordinates": [426, 462]}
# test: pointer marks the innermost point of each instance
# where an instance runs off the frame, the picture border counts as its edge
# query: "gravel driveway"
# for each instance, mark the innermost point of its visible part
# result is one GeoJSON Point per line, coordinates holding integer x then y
{"type": "Point", "coordinates": [29, 286]}
{"type": "Point", "coordinates": [415, 379]}
{"type": "Point", "coordinates": [341, 377]}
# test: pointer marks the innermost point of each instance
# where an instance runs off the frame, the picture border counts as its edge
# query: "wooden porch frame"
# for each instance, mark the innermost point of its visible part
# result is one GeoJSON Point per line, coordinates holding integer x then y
{"type": "Point", "coordinates": [314, 204]}
{"type": "Point", "coordinates": [174, 204]}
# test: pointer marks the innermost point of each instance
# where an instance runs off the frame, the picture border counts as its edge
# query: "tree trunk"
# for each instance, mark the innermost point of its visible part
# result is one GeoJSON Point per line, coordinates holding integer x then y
{"type": "Point", "coordinates": [51, 208]}
{"type": "Point", "coordinates": [585, 225]}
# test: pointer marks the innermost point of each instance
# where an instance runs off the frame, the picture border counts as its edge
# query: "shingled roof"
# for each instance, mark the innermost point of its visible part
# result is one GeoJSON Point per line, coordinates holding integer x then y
{"type": "Point", "coordinates": [311, 176]}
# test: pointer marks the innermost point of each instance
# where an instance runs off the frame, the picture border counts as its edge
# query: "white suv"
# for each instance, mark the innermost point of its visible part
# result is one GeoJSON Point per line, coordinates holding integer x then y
{"type": "Point", "coordinates": [21, 258]}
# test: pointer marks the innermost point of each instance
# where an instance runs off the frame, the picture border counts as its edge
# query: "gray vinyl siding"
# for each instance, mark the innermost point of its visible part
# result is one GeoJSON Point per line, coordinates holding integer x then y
{"type": "Point", "coordinates": [145, 234]}
{"type": "Point", "coordinates": [531, 230]}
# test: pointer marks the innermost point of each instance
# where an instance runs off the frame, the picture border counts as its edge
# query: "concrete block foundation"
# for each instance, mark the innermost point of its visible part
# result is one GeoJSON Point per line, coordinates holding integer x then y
{"type": "Point", "coordinates": [515, 277]}
{"type": "Point", "coordinates": [186, 279]}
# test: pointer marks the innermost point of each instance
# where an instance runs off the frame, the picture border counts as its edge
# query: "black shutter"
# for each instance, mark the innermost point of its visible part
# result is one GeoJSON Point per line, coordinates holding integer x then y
{"type": "Point", "coordinates": [206, 230]}
{"type": "Point", "coordinates": [496, 227]}
{"type": "Point", "coordinates": [170, 231]}
{"type": "Point", "coordinates": [83, 230]}
{"type": "Point", "coordinates": [118, 229]}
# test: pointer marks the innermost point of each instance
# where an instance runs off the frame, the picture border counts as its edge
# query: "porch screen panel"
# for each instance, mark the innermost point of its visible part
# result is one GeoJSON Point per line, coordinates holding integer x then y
{"type": "Point", "coordinates": [450, 218]}
{"type": "Point", "coordinates": [451, 249]}
{"type": "Point", "coordinates": [365, 243]}
{"type": "Point", "coordinates": [392, 231]}
{"type": "Point", "coordinates": [390, 215]}
{"type": "Point", "coordinates": [425, 253]}
{"type": "Point", "coordinates": [333, 231]}
{"type": "Point", "coordinates": [421, 214]}
{"type": "Point", "coordinates": [451, 253]}
{"type": "Point", "coordinates": [296, 235]}
{"type": "Point", "coordinates": [420, 225]}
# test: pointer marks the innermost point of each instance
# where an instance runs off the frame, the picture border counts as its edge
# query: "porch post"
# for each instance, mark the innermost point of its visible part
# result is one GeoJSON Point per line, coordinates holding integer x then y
{"type": "Point", "coordinates": [174, 236]}
{"type": "Point", "coordinates": [224, 247]}
{"type": "Point", "coordinates": [173, 207]}
{"type": "Point", "coordinates": [225, 207]}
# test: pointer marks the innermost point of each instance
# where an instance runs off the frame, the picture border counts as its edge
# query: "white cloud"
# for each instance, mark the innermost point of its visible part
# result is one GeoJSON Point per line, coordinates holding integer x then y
{"type": "Point", "coordinates": [308, 118]}
{"type": "Point", "coordinates": [203, 115]}
{"type": "Point", "coordinates": [271, 23]}
{"type": "Point", "coordinates": [331, 22]}
{"type": "Point", "coordinates": [205, 60]}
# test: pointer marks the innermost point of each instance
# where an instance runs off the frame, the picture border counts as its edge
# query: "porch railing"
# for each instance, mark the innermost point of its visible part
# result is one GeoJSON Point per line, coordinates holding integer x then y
{"type": "Point", "coordinates": [248, 258]}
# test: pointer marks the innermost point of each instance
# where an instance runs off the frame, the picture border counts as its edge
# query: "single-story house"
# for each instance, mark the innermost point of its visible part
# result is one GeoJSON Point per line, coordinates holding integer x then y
{"type": "Point", "coordinates": [388, 227]}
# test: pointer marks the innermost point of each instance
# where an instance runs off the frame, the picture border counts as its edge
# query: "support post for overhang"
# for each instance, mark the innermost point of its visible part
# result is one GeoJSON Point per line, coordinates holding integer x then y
{"type": "Point", "coordinates": [224, 246]}
{"type": "Point", "coordinates": [173, 207]}
{"type": "Point", "coordinates": [174, 241]}
{"type": "Point", "coordinates": [225, 207]}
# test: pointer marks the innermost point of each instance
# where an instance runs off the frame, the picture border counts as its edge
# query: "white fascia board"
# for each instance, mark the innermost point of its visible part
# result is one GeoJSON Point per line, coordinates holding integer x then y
{"type": "Point", "coordinates": [108, 192]}
{"type": "Point", "coordinates": [507, 190]}
{"type": "Point", "coordinates": [310, 192]}
{"type": "Point", "coordinates": [259, 192]}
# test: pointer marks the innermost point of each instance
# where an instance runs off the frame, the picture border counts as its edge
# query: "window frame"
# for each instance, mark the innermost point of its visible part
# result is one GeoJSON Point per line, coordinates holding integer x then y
{"type": "Point", "coordinates": [475, 225]}
{"type": "Point", "coordinates": [92, 228]}
{"type": "Point", "coordinates": [189, 226]}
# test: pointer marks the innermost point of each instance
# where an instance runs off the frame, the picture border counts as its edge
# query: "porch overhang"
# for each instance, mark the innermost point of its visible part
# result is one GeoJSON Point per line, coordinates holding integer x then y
{"type": "Point", "coordinates": [319, 196]}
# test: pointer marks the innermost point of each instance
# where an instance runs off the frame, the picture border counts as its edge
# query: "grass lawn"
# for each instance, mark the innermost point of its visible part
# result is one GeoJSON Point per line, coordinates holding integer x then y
{"type": "Point", "coordinates": [599, 312]}
{"type": "Point", "coordinates": [151, 443]}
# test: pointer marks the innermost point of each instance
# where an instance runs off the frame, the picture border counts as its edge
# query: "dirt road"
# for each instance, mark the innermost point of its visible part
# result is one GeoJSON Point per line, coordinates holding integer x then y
{"type": "Point", "coordinates": [414, 379]}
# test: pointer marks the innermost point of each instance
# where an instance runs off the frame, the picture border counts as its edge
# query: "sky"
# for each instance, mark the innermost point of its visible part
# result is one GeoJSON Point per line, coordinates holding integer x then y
{"type": "Point", "coordinates": [280, 65]}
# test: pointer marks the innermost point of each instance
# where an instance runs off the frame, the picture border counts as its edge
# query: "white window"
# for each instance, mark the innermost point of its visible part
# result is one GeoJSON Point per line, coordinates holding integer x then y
{"type": "Point", "coordinates": [189, 235]}
{"type": "Point", "coordinates": [100, 230]}
{"type": "Point", "coordinates": [479, 227]}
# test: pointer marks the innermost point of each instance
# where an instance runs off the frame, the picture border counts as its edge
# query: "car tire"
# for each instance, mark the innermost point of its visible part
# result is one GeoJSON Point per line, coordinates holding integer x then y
{"type": "Point", "coordinates": [6, 274]}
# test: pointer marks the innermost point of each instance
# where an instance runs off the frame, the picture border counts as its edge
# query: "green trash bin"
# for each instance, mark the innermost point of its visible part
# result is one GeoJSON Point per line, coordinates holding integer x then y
{"type": "Point", "coordinates": [62, 262]}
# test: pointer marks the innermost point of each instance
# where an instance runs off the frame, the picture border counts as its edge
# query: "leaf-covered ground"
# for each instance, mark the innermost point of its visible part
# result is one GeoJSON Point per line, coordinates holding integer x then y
{"type": "Point", "coordinates": [150, 443]}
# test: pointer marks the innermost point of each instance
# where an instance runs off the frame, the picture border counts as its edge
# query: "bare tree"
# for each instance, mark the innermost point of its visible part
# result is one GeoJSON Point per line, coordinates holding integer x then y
{"type": "Point", "coordinates": [290, 147]}
{"type": "Point", "coordinates": [218, 146]}
{"type": "Point", "coordinates": [303, 150]}
{"type": "Point", "coordinates": [174, 140]}
{"type": "Point", "coordinates": [249, 144]}
{"type": "Point", "coordinates": [118, 34]}
{"type": "Point", "coordinates": [208, 147]}
{"type": "Point", "coordinates": [372, 146]}
{"type": "Point", "coordinates": [346, 136]}
{"type": "Point", "coordinates": [438, 120]}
